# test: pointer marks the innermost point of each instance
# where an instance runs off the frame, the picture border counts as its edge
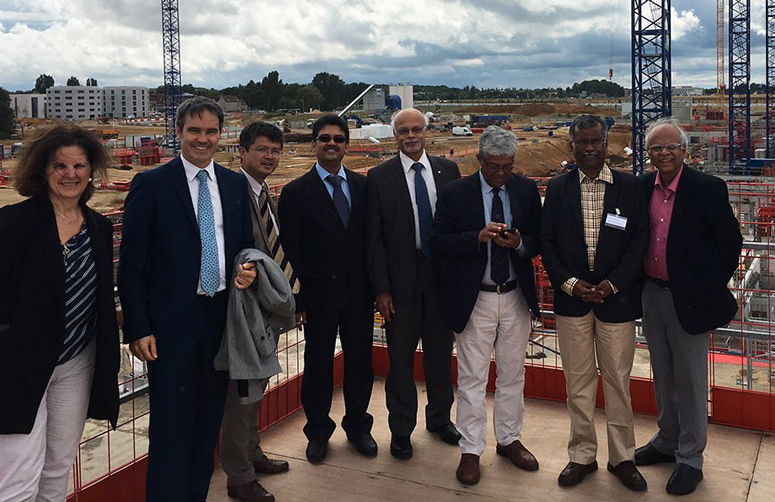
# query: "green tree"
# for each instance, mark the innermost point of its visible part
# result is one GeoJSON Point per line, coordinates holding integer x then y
{"type": "Point", "coordinates": [43, 82]}
{"type": "Point", "coordinates": [332, 89]}
{"type": "Point", "coordinates": [91, 82]}
{"type": "Point", "coordinates": [73, 81]}
{"type": "Point", "coordinates": [309, 97]}
{"type": "Point", "coordinates": [273, 89]}
{"type": "Point", "coordinates": [6, 115]}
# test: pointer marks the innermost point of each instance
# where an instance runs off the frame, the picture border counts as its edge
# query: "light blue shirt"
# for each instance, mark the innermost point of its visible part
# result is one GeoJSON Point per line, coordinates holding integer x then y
{"type": "Point", "coordinates": [487, 198]}
{"type": "Point", "coordinates": [345, 185]}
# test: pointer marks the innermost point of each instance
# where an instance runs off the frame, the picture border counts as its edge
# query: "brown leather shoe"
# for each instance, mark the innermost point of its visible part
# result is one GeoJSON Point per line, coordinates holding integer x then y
{"type": "Point", "coordinates": [629, 475]}
{"type": "Point", "coordinates": [266, 465]}
{"type": "Point", "coordinates": [468, 470]}
{"type": "Point", "coordinates": [250, 492]}
{"type": "Point", "coordinates": [519, 456]}
{"type": "Point", "coordinates": [574, 473]}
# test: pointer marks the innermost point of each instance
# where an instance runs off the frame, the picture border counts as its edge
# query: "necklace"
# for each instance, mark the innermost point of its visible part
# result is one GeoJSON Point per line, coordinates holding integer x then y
{"type": "Point", "coordinates": [72, 222]}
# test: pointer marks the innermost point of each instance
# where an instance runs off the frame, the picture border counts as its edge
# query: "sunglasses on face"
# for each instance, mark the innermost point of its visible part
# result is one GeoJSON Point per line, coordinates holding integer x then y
{"type": "Point", "coordinates": [325, 138]}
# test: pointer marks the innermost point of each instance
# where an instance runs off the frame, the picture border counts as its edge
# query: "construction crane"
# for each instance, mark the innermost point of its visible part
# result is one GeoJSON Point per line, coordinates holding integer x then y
{"type": "Point", "coordinates": [720, 81]}
{"type": "Point", "coordinates": [739, 86]}
{"type": "Point", "coordinates": [651, 72]}
{"type": "Point", "coordinates": [170, 29]}
{"type": "Point", "coordinates": [770, 65]}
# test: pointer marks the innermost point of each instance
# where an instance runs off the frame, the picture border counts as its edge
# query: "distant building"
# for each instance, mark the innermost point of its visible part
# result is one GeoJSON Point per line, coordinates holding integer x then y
{"type": "Point", "coordinates": [29, 105]}
{"type": "Point", "coordinates": [374, 101]}
{"type": "Point", "coordinates": [123, 101]}
{"type": "Point", "coordinates": [233, 104]}
{"type": "Point", "coordinates": [686, 90]}
{"type": "Point", "coordinates": [405, 92]}
{"type": "Point", "coordinates": [74, 102]}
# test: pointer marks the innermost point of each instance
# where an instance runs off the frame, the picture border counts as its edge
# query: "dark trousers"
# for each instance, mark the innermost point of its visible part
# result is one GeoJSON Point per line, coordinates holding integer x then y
{"type": "Point", "coordinates": [187, 397]}
{"type": "Point", "coordinates": [355, 323]}
{"type": "Point", "coordinates": [419, 319]}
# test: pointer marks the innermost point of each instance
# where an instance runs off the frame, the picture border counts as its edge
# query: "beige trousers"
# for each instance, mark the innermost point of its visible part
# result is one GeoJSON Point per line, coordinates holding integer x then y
{"type": "Point", "coordinates": [582, 340]}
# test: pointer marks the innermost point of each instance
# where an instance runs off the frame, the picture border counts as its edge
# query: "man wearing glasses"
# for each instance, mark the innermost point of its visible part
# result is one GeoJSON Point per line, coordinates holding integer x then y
{"type": "Point", "coordinates": [402, 199]}
{"type": "Point", "coordinates": [693, 251]}
{"type": "Point", "coordinates": [594, 236]}
{"type": "Point", "coordinates": [486, 232]}
{"type": "Point", "coordinates": [323, 221]}
{"type": "Point", "coordinates": [261, 145]}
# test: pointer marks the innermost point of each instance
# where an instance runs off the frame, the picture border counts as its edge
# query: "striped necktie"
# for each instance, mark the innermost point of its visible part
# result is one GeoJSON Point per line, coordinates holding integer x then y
{"type": "Point", "coordinates": [275, 247]}
{"type": "Point", "coordinates": [499, 255]}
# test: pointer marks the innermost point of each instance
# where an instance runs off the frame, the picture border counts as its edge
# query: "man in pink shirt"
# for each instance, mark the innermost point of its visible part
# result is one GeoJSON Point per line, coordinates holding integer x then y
{"type": "Point", "coordinates": [693, 251]}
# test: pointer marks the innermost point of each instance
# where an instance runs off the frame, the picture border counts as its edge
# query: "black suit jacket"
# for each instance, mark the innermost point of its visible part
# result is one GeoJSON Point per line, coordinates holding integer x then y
{"type": "Point", "coordinates": [703, 250]}
{"type": "Point", "coordinates": [32, 316]}
{"type": "Point", "coordinates": [619, 255]}
{"type": "Point", "coordinates": [392, 245]}
{"type": "Point", "coordinates": [158, 273]}
{"type": "Point", "coordinates": [456, 226]}
{"type": "Point", "coordinates": [329, 259]}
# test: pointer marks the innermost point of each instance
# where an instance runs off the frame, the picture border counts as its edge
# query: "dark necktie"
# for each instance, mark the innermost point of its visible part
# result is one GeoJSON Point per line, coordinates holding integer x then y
{"type": "Point", "coordinates": [499, 255]}
{"type": "Point", "coordinates": [340, 200]}
{"type": "Point", "coordinates": [275, 247]}
{"type": "Point", "coordinates": [424, 213]}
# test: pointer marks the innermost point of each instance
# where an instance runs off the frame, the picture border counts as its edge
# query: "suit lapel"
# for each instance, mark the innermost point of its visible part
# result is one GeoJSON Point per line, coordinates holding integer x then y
{"type": "Point", "coordinates": [574, 200]}
{"type": "Point", "coordinates": [319, 195]}
{"type": "Point", "coordinates": [683, 195]}
{"type": "Point", "coordinates": [476, 200]}
{"type": "Point", "coordinates": [177, 177]}
{"type": "Point", "coordinates": [53, 250]}
{"type": "Point", "coordinates": [398, 180]}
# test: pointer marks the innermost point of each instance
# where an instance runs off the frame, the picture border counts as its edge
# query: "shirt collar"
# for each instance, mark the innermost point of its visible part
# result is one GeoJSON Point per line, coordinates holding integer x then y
{"type": "Point", "coordinates": [192, 170]}
{"type": "Point", "coordinates": [255, 186]}
{"type": "Point", "coordinates": [605, 176]}
{"type": "Point", "coordinates": [324, 174]}
{"type": "Point", "coordinates": [486, 188]}
{"type": "Point", "coordinates": [673, 184]}
{"type": "Point", "coordinates": [407, 163]}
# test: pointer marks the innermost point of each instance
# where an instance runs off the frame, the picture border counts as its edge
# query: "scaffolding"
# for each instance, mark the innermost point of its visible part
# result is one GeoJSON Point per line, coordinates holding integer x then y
{"type": "Point", "coordinates": [651, 71]}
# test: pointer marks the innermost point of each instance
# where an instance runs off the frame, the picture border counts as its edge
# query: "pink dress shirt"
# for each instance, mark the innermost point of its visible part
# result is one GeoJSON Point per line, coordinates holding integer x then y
{"type": "Point", "coordinates": [660, 213]}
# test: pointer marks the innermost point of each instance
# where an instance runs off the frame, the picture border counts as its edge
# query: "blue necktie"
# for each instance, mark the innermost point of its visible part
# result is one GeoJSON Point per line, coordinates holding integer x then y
{"type": "Point", "coordinates": [424, 213]}
{"type": "Point", "coordinates": [340, 199]}
{"type": "Point", "coordinates": [210, 274]}
{"type": "Point", "coordinates": [499, 255]}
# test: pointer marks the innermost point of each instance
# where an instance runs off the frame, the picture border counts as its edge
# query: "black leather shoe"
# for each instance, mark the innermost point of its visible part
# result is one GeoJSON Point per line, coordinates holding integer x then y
{"type": "Point", "coordinates": [648, 455]}
{"type": "Point", "coordinates": [317, 449]}
{"type": "Point", "coordinates": [250, 492]}
{"type": "Point", "coordinates": [684, 480]}
{"type": "Point", "coordinates": [365, 444]}
{"type": "Point", "coordinates": [574, 473]}
{"type": "Point", "coordinates": [447, 432]}
{"type": "Point", "coordinates": [401, 447]}
{"type": "Point", "coordinates": [629, 475]}
{"type": "Point", "coordinates": [266, 465]}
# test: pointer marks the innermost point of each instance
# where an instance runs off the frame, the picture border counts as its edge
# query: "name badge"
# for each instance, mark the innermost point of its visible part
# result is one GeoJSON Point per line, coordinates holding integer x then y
{"type": "Point", "coordinates": [616, 221]}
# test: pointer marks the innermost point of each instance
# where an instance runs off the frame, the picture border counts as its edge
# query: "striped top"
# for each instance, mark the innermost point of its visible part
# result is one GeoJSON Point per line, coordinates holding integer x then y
{"type": "Point", "coordinates": [80, 295]}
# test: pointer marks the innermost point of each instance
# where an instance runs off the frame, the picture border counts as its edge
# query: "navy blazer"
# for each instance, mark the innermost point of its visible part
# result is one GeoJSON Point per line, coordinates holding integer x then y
{"type": "Point", "coordinates": [158, 272]}
{"type": "Point", "coordinates": [392, 245]}
{"type": "Point", "coordinates": [32, 315]}
{"type": "Point", "coordinates": [619, 255]}
{"type": "Point", "coordinates": [703, 250]}
{"type": "Point", "coordinates": [329, 259]}
{"type": "Point", "coordinates": [459, 219]}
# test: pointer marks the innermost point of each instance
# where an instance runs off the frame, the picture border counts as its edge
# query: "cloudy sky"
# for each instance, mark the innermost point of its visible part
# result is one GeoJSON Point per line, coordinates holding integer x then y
{"type": "Point", "coordinates": [486, 43]}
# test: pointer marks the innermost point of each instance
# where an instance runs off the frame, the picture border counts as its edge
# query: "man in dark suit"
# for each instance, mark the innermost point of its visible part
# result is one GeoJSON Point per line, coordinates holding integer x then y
{"type": "Point", "coordinates": [486, 233]}
{"type": "Point", "coordinates": [693, 251]}
{"type": "Point", "coordinates": [261, 145]}
{"type": "Point", "coordinates": [402, 198]}
{"type": "Point", "coordinates": [594, 235]}
{"type": "Point", "coordinates": [184, 223]}
{"type": "Point", "coordinates": [323, 219]}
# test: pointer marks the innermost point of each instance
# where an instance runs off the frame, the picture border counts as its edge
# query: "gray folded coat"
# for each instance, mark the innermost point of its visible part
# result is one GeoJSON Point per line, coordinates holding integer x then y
{"type": "Point", "coordinates": [255, 317]}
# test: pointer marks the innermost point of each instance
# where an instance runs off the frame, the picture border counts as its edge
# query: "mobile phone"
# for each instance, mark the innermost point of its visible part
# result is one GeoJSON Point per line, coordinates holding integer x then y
{"type": "Point", "coordinates": [507, 231]}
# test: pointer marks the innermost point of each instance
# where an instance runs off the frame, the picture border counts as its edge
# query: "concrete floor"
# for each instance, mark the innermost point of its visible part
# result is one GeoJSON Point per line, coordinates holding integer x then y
{"type": "Point", "coordinates": [739, 464]}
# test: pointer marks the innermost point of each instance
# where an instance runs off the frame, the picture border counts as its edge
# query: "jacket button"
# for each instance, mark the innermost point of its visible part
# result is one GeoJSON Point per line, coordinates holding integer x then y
{"type": "Point", "coordinates": [334, 276]}
{"type": "Point", "coordinates": [263, 338]}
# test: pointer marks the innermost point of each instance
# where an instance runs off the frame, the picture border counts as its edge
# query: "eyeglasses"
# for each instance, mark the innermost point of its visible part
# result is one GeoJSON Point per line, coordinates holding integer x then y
{"type": "Point", "coordinates": [325, 138]}
{"type": "Point", "coordinates": [403, 131]}
{"type": "Point", "coordinates": [587, 142]}
{"type": "Point", "coordinates": [656, 149]}
{"type": "Point", "coordinates": [495, 168]}
{"type": "Point", "coordinates": [276, 152]}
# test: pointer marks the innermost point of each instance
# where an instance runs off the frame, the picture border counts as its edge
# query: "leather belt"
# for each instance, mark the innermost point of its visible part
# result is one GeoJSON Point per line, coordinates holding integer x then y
{"type": "Point", "coordinates": [505, 288]}
{"type": "Point", "coordinates": [659, 282]}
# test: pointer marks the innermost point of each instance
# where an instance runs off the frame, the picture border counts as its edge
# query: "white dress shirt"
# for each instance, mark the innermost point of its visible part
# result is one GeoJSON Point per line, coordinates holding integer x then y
{"type": "Point", "coordinates": [430, 183]}
{"type": "Point", "coordinates": [215, 196]}
{"type": "Point", "coordinates": [256, 188]}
